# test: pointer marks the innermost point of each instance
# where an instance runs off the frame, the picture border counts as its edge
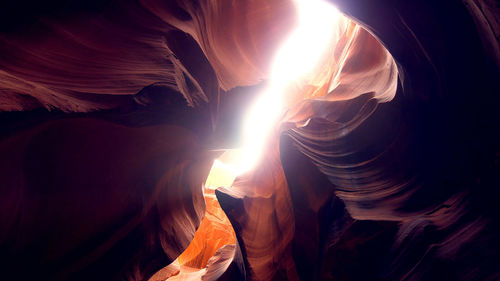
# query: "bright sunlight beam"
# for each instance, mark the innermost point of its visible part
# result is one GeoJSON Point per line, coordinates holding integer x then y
{"type": "Point", "coordinates": [297, 57]}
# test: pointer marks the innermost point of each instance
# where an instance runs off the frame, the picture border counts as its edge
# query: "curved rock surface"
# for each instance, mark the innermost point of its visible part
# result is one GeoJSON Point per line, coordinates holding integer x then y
{"type": "Point", "coordinates": [84, 197]}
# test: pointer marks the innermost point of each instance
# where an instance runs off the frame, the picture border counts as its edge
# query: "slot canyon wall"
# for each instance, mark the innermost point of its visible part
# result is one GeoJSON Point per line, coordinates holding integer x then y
{"type": "Point", "coordinates": [112, 113]}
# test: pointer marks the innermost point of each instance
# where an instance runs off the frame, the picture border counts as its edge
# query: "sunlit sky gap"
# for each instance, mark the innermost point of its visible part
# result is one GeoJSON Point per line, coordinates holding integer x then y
{"type": "Point", "coordinates": [298, 56]}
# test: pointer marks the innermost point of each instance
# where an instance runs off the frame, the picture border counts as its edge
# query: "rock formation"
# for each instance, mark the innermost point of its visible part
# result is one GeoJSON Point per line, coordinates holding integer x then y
{"type": "Point", "coordinates": [384, 167]}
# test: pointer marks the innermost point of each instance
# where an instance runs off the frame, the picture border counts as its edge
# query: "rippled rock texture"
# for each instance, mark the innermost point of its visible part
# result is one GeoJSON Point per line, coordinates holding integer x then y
{"type": "Point", "coordinates": [385, 166]}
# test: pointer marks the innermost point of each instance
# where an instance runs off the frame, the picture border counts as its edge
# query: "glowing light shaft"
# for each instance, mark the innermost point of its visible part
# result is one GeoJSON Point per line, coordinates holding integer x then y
{"type": "Point", "coordinates": [297, 57]}
{"type": "Point", "coordinates": [304, 47]}
{"type": "Point", "coordinates": [221, 175]}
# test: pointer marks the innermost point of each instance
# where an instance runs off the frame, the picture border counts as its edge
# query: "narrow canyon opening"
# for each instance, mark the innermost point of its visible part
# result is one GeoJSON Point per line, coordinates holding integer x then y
{"type": "Point", "coordinates": [263, 140]}
{"type": "Point", "coordinates": [326, 57]}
